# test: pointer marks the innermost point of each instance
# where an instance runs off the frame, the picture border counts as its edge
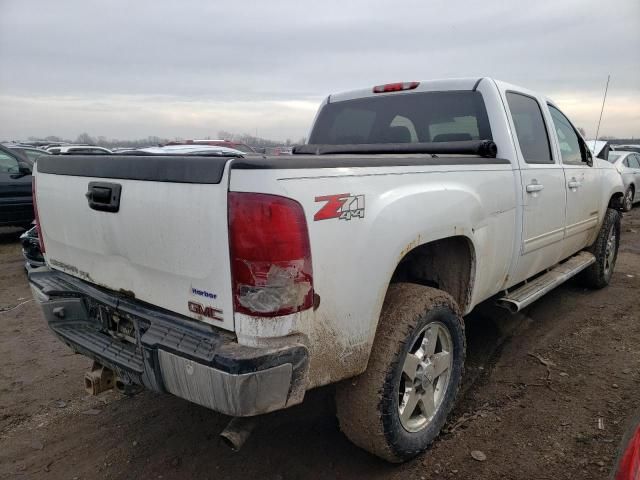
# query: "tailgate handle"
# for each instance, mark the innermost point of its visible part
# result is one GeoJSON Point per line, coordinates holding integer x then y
{"type": "Point", "coordinates": [104, 196]}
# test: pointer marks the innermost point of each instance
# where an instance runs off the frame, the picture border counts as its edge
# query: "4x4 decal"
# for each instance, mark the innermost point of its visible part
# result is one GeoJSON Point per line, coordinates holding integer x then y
{"type": "Point", "coordinates": [343, 206]}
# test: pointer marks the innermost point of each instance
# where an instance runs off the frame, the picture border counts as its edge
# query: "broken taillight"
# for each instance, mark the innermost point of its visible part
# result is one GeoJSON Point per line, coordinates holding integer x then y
{"type": "Point", "coordinates": [270, 255]}
{"type": "Point", "coordinates": [35, 214]}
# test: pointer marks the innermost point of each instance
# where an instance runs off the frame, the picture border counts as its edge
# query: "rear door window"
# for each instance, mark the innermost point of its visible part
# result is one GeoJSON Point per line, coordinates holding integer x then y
{"type": "Point", "coordinates": [530, 128]}
{"type": "Point", "coordinates": [634, 162]}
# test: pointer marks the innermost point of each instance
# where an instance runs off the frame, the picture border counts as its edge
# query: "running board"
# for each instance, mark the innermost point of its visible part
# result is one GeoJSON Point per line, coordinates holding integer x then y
{"type": "Point", "coordinates": [533, 290]}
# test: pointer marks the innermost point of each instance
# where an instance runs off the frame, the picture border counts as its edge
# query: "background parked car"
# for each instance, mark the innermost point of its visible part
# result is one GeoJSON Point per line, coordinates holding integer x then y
{"type": "Point", "coordinates": [600, 148]}
{"type": "Point", "coordinates": [628, 164]}
{"type": "Point", "coordinates": [628, 148]}
{"type": "Point", "coordinates": [243, 147]}
{"type": "Point", "coordinates": [28, 154]}
{"type": "Point", "coordinates": [79, 150]}
{"type": "Point", "coordinates": [16, 203]}
{"type": "Point", "coordinates": [185, 150]}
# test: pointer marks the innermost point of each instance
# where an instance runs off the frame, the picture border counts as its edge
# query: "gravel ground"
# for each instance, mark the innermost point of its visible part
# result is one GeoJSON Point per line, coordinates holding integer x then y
{"type": "Point", "coordinates": [548, 394]}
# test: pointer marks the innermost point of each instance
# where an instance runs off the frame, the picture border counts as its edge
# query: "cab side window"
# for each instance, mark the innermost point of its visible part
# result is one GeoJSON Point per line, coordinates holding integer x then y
{"type": "Point", "coordinates": [567, 138]}
{"type": "Point", "coordinates": [530, 128]}
{"type": "Point", "coordinates": [8, 164]}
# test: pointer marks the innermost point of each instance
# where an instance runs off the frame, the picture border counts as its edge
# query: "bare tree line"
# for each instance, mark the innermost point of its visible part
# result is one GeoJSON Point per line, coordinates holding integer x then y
{"type": "Point", "coordinates": [85, 138]}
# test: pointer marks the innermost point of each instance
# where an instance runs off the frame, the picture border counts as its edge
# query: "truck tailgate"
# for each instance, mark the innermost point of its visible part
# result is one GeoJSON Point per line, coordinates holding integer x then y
{"type": "Point", "coordinates": [167, 244]}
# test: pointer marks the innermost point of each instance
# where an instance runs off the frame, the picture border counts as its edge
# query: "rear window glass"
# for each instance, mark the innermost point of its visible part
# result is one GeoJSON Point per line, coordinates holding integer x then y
{"type": "Point", "coordinates": [403, 118]}
{"type": "Point", "coordinates": [613, 156]}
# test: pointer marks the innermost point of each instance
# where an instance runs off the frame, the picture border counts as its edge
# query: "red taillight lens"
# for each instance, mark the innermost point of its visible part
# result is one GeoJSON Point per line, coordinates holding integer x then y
{"type": "Point", "coordinates": [35, 214]}
{"type": "Point", "coordinates": [270, 255]}
{"type": "Point", "coordinates": [395, 87]}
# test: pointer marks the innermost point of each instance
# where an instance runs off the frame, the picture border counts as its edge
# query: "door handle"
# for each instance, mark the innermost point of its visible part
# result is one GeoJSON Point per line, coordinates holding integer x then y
{"type": "Point", "coordinates": [573, 184]}
{"type": "Point", "coordinates": [534, 187]}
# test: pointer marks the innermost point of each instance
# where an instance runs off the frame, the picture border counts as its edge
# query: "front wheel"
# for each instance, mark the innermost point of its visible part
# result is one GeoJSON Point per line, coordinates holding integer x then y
{"type": "Point", "coordinates": [397, 407]}
{"type": "Point", "coordinates": [605, 249]}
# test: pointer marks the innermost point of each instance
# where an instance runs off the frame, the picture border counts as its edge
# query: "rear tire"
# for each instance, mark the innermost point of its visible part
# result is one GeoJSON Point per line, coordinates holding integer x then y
{"type": "Point", "coordinates": [605, 249]}
{"type": "Point", "coordinates": [397, 407]}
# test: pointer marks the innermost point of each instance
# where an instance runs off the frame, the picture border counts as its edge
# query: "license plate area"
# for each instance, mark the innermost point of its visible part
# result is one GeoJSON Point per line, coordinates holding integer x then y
{"type": "Point", "coordinates": [118, 324]}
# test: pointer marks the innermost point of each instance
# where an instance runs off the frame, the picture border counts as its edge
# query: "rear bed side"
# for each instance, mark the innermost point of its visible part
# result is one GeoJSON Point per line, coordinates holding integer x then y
{"type": "Point", "coordinates": [353, 260]}
{"type": "Point", "coordinates": [167, 245]}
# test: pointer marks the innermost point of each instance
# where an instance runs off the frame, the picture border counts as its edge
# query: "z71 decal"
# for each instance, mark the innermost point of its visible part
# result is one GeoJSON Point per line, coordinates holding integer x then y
{"type": "Point", "coordinates": [343, 206]}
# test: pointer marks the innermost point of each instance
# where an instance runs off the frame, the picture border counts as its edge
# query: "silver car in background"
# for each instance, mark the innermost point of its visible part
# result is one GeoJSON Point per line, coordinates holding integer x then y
{"type": "Point", "coordinates": [628, 164]}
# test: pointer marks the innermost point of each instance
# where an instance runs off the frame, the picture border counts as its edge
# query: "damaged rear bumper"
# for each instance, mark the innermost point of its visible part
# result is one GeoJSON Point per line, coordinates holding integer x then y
{"type": "Point", "coordinates": [166, 352]}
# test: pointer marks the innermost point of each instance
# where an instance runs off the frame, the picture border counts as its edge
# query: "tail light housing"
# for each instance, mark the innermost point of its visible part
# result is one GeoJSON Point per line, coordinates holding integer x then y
{"type": "Point", "coordinates": [35, 214]}
{"type": "Point", "coordinates": [395, 87]}
{"type": "Point", "coordinates": [270, 255]}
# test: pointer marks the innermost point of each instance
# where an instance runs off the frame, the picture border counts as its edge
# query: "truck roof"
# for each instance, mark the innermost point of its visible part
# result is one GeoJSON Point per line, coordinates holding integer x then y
{"type": "Point", "coordinates": [437, 85]}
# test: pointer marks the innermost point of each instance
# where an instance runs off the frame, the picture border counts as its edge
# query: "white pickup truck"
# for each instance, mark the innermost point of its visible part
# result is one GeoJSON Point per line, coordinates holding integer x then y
{"type": "Point", "coordinates": [241, 283]}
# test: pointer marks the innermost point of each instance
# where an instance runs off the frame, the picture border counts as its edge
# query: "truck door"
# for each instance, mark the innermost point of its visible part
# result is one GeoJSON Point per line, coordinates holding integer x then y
{"type": "Point", "coordinates": [582, 184]}
{"type": "Point", "coordinates": [543, 191]}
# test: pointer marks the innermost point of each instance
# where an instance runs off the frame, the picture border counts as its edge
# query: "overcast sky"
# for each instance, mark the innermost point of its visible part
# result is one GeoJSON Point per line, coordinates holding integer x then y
{"type": "Point", "coordinates": [129, 69]}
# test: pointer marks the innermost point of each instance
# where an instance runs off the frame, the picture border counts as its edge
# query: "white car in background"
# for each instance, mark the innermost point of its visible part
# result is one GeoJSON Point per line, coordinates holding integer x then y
{"type": "Point", "coordinates": [628, 164]}
{"type": "Point", "coordinates": [190, 150]}
{"type": "Point", "coordinates": [79, 150]}
{"type": "Point", "coordinates": [628, 148]}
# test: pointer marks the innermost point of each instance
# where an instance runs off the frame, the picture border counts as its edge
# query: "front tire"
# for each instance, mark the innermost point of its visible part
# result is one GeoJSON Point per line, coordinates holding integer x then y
{"type": "Point", "coordinates": [605, 249]}
{"type": "Point", "coordinates": [397, 407]}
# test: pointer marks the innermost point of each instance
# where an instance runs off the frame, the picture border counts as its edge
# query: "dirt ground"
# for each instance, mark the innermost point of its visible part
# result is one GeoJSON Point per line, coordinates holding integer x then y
{"type": "Point", "coordinates": [533, 421]}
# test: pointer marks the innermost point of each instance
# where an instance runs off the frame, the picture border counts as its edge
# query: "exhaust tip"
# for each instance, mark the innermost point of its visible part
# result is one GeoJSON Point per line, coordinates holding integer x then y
{"type": "Point", "coordinates": [230, 442]}
{"type": "Point", "coordinates": [237, 432]}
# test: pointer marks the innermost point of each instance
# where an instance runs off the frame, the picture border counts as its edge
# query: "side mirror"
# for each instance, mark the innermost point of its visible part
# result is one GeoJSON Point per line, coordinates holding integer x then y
{"type": "Point", "coordinates": [589, 159]}
{"type": "Point", "coordinates": [24, 168]}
